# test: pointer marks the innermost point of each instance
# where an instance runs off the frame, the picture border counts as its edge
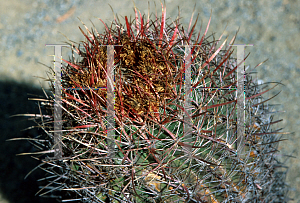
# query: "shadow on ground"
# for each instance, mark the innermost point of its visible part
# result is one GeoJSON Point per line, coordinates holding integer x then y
{"type": "Point", "coordinates": [13, 169]}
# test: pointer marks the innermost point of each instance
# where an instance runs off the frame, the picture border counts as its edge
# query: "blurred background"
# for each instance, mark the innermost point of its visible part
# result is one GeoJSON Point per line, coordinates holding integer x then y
{"type": "Point", "coordinates": [273, 28]}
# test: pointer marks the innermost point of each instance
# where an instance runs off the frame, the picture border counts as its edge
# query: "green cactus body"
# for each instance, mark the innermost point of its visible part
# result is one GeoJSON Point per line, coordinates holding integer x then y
{"type": "Point", "coordinates": [155, 158]}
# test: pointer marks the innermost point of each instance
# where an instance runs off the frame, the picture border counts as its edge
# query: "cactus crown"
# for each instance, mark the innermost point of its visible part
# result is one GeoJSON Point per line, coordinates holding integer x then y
{"type": "Point", "coordinates": [175, 133]}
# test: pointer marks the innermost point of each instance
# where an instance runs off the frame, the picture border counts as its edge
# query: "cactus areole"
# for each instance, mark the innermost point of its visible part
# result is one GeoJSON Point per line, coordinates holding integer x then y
{"type": "Point", "coordinates": [150, 112]}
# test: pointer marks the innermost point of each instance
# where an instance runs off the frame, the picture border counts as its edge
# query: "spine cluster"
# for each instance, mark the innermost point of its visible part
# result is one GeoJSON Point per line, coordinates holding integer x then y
{"type": "Point", "coordinates": [174, 133]}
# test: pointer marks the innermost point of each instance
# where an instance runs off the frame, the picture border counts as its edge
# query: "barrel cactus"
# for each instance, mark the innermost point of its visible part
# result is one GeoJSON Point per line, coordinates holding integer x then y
{"type": "Point", "coordinates": [152, 112]}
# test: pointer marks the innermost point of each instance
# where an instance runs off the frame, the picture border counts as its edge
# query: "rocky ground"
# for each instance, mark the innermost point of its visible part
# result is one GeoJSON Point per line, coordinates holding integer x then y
{"type": "Point", "coordinates": [26, 26]}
